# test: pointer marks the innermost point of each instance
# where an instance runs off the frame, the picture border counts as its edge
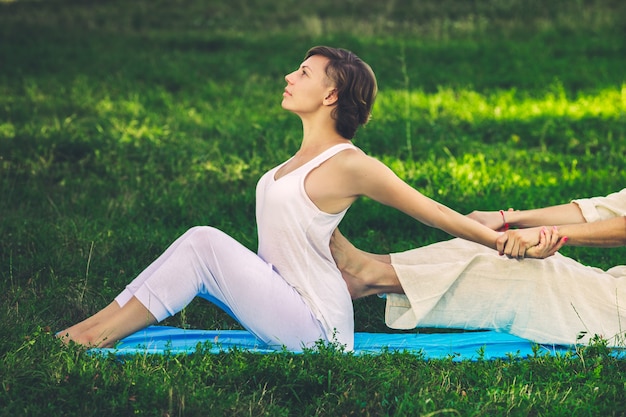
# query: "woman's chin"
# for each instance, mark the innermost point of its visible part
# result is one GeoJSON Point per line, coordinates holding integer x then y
{"type": "Point", "coordinates": [285, 106]}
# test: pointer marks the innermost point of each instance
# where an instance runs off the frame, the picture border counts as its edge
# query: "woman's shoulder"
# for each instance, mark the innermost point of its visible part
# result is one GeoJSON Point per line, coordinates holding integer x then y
{"type": "Point", "coordinates": [354, 162]}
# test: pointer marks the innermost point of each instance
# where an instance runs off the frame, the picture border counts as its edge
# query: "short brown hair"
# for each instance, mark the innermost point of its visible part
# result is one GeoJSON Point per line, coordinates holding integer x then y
{"type": "Point", "coordinates": [356, 88]}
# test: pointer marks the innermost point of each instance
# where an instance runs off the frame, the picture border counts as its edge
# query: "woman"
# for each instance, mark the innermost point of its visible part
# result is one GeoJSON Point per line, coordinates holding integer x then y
{"type": "Point", "coordinates": [291, 293]}
{"type": "Point", "coordinates": [463, 285]}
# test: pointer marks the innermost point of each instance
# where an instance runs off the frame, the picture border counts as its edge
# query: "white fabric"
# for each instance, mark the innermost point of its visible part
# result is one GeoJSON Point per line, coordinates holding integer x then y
{"type": "Point", "coordinates": [557, 300]}
{"type": "Point", "coordinates": [602, 208]}
{"type": "Point", "coordinates": [294, 235]}
{"type": "Point", "coordinates": [208, 263]}
{"type": "Point", "coordinates": [461, 284]}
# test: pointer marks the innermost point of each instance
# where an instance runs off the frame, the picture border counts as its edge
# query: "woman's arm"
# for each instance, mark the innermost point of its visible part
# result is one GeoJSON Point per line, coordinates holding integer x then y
{"type": "Point", "coordinates": [361, 175]}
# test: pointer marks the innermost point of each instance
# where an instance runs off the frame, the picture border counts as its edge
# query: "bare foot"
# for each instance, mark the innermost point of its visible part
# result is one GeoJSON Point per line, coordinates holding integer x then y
{"type": "Point", "coordinates": [109, 325]}
{"type": "Point", "coordinates": [78, 332]}
{"type": "Point", "coordinates": [82, 337]}
{"type": "Point", "coordinates": [365, 273]}
{"type": "Point", "coordinates": [85, 339]}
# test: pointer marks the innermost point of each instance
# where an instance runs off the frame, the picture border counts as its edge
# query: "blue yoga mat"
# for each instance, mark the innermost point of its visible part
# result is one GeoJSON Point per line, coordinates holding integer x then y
{"type": "Point", "coordinates": [458, 346]}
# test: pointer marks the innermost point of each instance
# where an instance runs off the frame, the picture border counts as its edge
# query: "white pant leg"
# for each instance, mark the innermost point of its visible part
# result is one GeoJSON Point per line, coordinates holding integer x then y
{"type": "Point", "coordinates": [208, 263]}
{"type": "Point", "coordinates": [134, 285]}
{"type": "Point", "coordinates": [462, 284]}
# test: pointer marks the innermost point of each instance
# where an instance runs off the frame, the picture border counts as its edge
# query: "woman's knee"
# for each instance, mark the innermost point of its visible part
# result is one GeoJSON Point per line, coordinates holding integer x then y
{"type": "Point", "coordinates": [203, 236]}
{"type": "Point", "coordinates": [203, 232]}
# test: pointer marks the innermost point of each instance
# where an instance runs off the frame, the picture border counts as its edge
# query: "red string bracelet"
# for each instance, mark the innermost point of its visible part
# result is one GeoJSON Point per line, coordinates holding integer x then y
{"type": "Point", "coordinates": [506, 225]}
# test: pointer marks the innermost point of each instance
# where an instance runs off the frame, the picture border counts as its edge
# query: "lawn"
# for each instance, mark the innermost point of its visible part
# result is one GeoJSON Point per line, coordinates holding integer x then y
{"type": "Point", "coordinates": [122, 124]}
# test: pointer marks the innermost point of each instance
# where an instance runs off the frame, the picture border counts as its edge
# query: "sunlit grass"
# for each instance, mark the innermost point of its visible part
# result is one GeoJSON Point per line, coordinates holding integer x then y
{"type": "Point", "coordinates": [470, 106]}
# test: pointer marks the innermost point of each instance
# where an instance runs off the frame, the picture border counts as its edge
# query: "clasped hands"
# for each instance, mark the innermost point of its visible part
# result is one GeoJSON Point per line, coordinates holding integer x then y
{"type": "Point", "coordinates": [532, 242]}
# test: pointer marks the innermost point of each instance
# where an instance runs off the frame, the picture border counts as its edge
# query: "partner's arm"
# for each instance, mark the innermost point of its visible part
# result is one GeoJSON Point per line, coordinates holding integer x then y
{"type": "Point", "coordinates": [604, 233]}
{"type": "Point", "coordinates": [554, 215]}
{"type": "Point", "coordinates": [579, 221]}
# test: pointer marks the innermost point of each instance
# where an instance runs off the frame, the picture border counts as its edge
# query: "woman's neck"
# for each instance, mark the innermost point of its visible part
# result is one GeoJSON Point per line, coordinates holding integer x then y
{"type": "Point", "coordinates": [316, 136]}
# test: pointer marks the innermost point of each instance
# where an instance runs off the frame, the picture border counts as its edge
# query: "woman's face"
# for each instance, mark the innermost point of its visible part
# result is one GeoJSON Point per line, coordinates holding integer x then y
{"type": "Point", "coordinates": [308, 86]}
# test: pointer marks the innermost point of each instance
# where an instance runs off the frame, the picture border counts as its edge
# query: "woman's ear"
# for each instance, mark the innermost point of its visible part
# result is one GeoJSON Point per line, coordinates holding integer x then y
{"type": "Point", "coordinates": [331, 98]}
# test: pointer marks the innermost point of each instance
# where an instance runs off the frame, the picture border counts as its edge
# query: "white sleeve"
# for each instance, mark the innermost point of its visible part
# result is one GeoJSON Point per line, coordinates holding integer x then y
{"type": "Point", "coordinates": [602, 208]}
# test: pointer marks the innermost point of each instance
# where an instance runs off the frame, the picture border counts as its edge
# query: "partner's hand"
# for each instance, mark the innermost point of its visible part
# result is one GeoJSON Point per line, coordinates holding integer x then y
{"type": "Point", "coordinates": [517, 243]}
{"type": "Point", "coordinates": [549, 243]}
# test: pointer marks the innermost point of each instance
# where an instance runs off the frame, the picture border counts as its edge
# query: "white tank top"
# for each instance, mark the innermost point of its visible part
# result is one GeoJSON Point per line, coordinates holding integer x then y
{"type": "Point", "coordinates": [294, 236]}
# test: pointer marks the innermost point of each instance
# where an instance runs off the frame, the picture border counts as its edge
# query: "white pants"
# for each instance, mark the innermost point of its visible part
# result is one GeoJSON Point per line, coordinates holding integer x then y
{"type": "Point", "coordinates": [208, 263]}
{"type": "Point", "coordinates": [462, 284]}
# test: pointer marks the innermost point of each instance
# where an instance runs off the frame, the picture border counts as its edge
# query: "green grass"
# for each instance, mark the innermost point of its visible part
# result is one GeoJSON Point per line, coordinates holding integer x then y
{"type": "Point", "coordinates": [122, 124]}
